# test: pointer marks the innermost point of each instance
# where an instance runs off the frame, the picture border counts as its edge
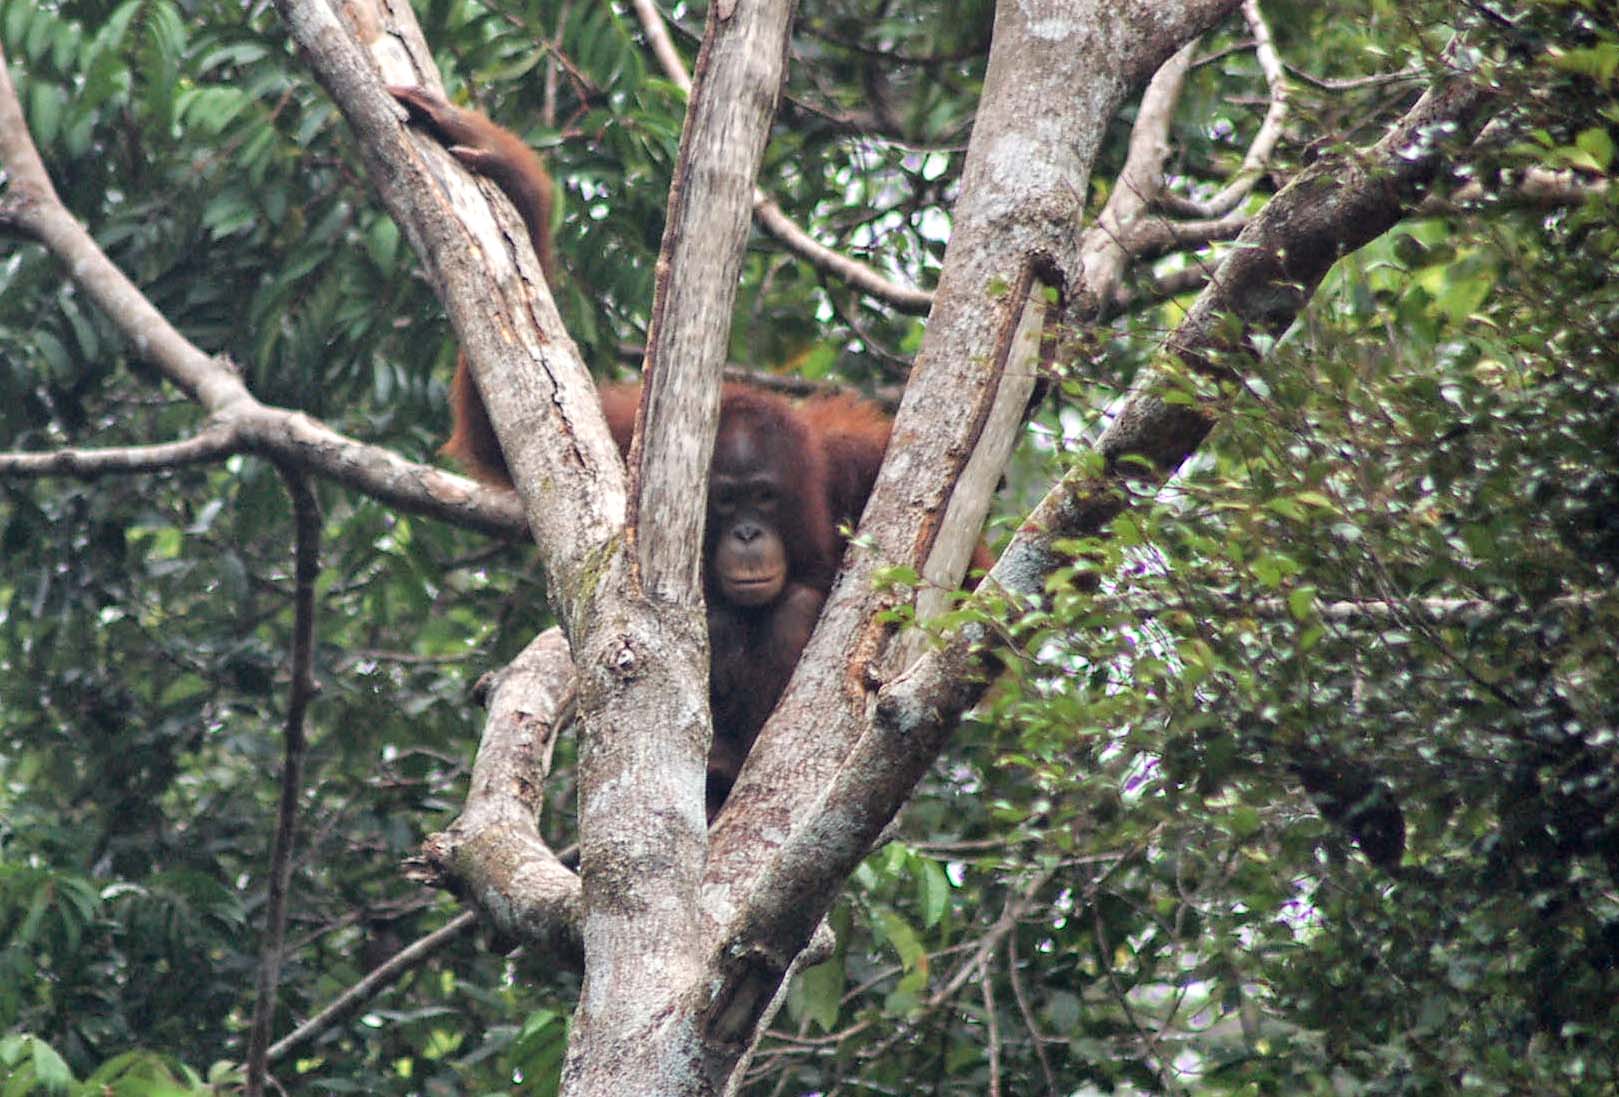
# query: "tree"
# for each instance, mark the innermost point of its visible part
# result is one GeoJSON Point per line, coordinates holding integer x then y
{"type": "Point", "coordinates": [1297, 766]}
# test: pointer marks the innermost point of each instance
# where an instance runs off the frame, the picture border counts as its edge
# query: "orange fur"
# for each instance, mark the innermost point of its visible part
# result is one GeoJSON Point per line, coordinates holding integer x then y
{"type": "Point", "coordinates": [493, 151]}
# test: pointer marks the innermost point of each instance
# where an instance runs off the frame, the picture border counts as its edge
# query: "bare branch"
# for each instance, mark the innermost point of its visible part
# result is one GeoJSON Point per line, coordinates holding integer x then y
{"type": "Point", "coordinates": [1376, 79]}
{"type": "Point", "coordinates": [306, 527]}
{"type": "Point", "coordinates": [1127, 228]}
{"type": "Point", "coordinates": [977, 962]}
{"type": "Point", "coordinates": [29, 182]}
{"type": "Point", "coordinates": [1154, 236]}
{"type": "Point", "coordinates": [1263, 145]}
{"type": "Point", "coordinates": [213, 444]}
{"type": "Point", "coordinates": [1106, 247]}
{"type": "Point", "coordinates": [384, 975]}
{"type": "Point", "coordinates": [1459, 610]}
{"type": "Point", "coordinates": [493, 853]}
{"type": "Point", "coordinates": [992, 1029]}
{"type": "Point", "coordinates": [1148, 1041]}
{"type": "Point", "coordinates": [239, 422]}
{"type": "Point", "coordinates": [1158, 287]}
{"type": "Point", "coordinates": [663, 47]}
{"type": "Point", "coordinates": [1560, 188]}
{"type": "Point", "coordinates": [769, 214]}
{"type": "Point", "coordinates": [1037, 1038]}
{"type": "Point", "coordinates": [293, 438]}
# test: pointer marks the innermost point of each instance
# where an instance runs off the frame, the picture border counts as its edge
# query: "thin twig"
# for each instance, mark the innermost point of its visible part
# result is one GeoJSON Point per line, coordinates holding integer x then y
{"type": "Point", "coordinates": [1264, 143]}
{"type": "Point", "coordinates": [991, 940]}
{"type": "Point", "coordinates": [1148, 1040]}
{"type": "Point", "coordinates": [1376, 79]}
{"type": "Point", "coordinates": [1035, 1035]}
{"type": "Point", "coordinates": [407, 958]}
{"type": "Point", "coordinates": [986, 984]}
{"type": "Point", "coordinates": [306, 523]}
{"type": "Point", "coordinates": [769, 215]}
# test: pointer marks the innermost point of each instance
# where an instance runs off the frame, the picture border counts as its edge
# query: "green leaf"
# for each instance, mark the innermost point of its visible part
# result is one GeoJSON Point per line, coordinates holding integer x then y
{"type": "Point", "coordinates": [382, 242]}
{"type": "Point", "coordinates": [933, 890]}
{"type": "Point", "coordinates": [1126, 532]}
{"type": "Point", "coordinates": [1316, 499]}
{"type": "Point", "coordinates": [1301, 603]}
{"type": "Point", "coordinates": [18, 17]}
{"type": "Point", "coordinates": [1245, 822]}
{"type": "Point", "coordinates": [45, 103]}
{"type": "Point", "coordinates": [1062, 1011]}
{"type": "Point", "coordinates": [820, 994]}
{"type": "Point", "coordinates": [38, 39]}
{"type": "Point", "coordinates": [50, 1068]}
{"type": "Point", "coordinates": [1287, 508]}
{"type": "Point", "coordinates": [902, 937]}
{"type": "Point", "coordinates": [1597, 144]}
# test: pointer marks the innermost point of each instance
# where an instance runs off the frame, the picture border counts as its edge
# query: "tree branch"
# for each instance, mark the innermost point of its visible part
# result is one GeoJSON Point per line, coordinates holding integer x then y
{"type": "Point", "coordinates": [1106, 249]}
{"type": "Point", "coordinates": [768, 214]}
{"type": "Point", "coordinates": [306, 527]}
{"type": "Point", "coordinates": [1260, 287]}
{"type": "Point", "coordinates": [729, 110]}
{"type": "Point", "coordinates": [808, 807]}
{"type": "Point", "coordinates": [1338, 205]}
{"type": "Point", "coordinates": [1261, 148]}
{"type": "Point", "coordinates": [213, 443]}
{"type": "Point", "coordinates": [1037, 1038]}
{"type": "Point", "coordinates": [642, 817]}
{"type": "Point", "coordinates": [1152, 237]}
{"type": "Point", "coordinates": [239, 422]}
{"type": "Point", "coordinates": [1127, 230]}
{"type": "Point", "coordinates": [539, 395]}
{"type": "Point", "coordinates": [385, 974]}
{"type": "Point", "coordinates": [493, 853]}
